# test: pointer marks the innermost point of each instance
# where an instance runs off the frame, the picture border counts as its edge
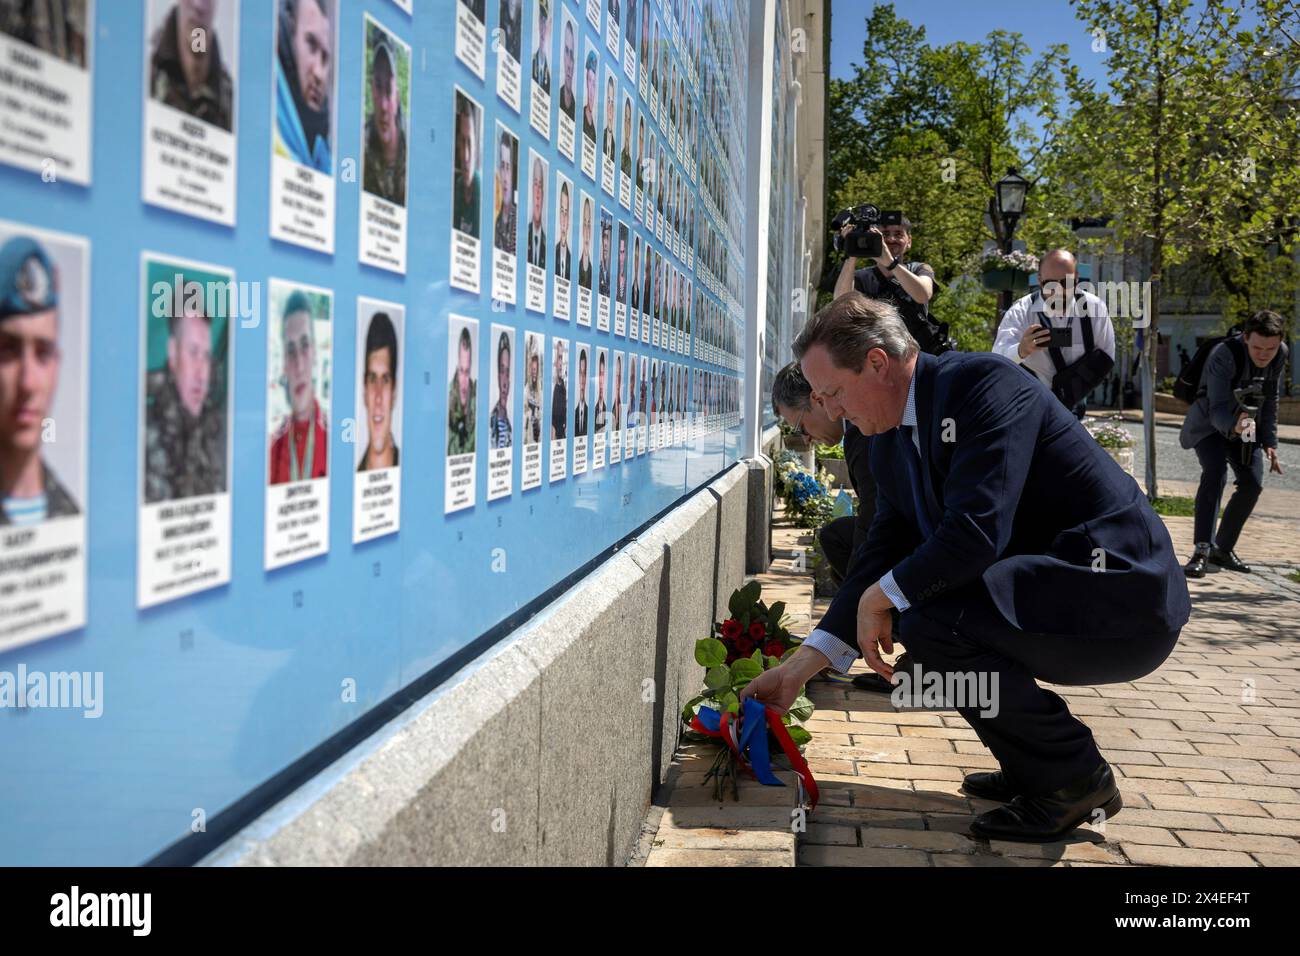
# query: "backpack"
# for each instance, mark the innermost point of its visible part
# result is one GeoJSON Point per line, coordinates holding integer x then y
{"type": "Point", "coordinates": [1189, 380]}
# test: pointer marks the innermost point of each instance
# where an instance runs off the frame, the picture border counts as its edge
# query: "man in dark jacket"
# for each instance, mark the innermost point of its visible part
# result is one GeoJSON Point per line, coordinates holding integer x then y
{"type": "Point", "coordinates": [1014, 548]}
{"type": "Point", "coordinates": [1233, 424]}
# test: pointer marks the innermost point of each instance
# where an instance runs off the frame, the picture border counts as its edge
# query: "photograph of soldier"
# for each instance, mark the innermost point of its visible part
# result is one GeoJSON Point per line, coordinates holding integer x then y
{"type": "Point", "coordinates": [304, 82]}
{"type": "Point", "coordinates": [563, 252]}
{"type": "Point", "coordinates": [616, 410]}
{"type": "Point", "coordinates": [636, 272]}
{"type": "Point", "coordinates": [386, 97]}
{"type": "Point", "coordinates": [621, 282]}
{"type": "Point", "coordinates": [625, 157]}
{"type": "Point", "coordinates": [560, 391]}
{"type": "Point", "coordinates": [606, 241]}
{"type": "Point", "coordinates": [647, 286]}
{"type": "Point", "coordinates": [645, 31]}
{"type": "Point", "coordinates": [185, 398]}
{"type": "Point", "coordinates": [32, 316]}
{"type": "Point", "coordinates": [379, 388]}
{"type": "Point", "coordinates": [467, 184]}
{"type": "Point", "coordinates": [511, 27]}
{"type": "Point", "coordinates": [537, 217]}
{"type": "Point", "coordinates": [584, 258]}
{"type": "Point", "coordinates": [601, 410]}
{"type": "Point", "coordinates": [608, 144]}
{"type": "Point", "coordinates": [506, 224]}
{"type": "Point", "coordinates": [299, 448]}
{"type": "Point", "coordinates": [532, 388]}
{"type": "Point", "coordinates": [589, 99]}
{"type": "Point", "coordinates": [640, 151]}
{"type": "Point", "coordinates": [56, 27]}
{"type": "Point", "coordinates": [581, 409]}
{"type": "Point", "coordinates": [461, 397]}
{"type": "Point", "coordinates": [500, 433]}
{"type": "Point", "coordinates": [542, 47]}
{"type": "Point", "coordinates": [186, 74]}
{"type": "Point", "coordinates": [629, 25]}
{"type": "Point", "coordinates": [568, 62]}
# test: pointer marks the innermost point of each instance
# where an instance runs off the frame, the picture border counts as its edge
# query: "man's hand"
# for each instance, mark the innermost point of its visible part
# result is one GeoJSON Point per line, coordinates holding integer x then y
{"type": "Point", "coordinates": [1274, 463]}
{"type": "Point", "coordinates": [1241, 423]}
{"type": "Point", "coordinates": [875, 629]}
{"type": "Point", "coordinates": [1036, 337]}
{"type": "Point", "coordinates": [777, 688]}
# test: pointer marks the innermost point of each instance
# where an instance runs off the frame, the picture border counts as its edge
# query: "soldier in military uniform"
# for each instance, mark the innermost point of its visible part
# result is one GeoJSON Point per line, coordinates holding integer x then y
{"type": "Point", "coordinates": [385, 173]}
{"type": "Point", "coordinates": [542, 55]}
{"type": "Point", "coordinates": [30, 493]}
{"type": "Point", "coordinates": [461, 400]}
{"type": "Point", "coordinates": [57, 27]}
{"type": "Point", "coordinates": [195, 82]}
{"type": "Point", "coordinates": [185, 422]}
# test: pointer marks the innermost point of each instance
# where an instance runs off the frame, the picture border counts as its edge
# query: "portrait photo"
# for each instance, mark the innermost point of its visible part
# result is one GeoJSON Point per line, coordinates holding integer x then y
{"type": "Point", "coordinates": [386, 107]}
{"type": "Point", "coordinates": [299, 371]}
{"type": "Point", "coordinates": [306, 44]}
{"type": "Point", "coordinates": [193, 57]}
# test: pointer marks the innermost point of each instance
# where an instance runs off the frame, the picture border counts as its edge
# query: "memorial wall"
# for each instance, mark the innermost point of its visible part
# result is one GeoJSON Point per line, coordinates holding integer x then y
{"type": "Point", "coordinates": [334, 334]}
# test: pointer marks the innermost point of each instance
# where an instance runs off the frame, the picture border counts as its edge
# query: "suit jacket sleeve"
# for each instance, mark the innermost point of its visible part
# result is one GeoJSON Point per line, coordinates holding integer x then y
{"type": "Point", "coordinates": [1268, 411]}
{"type": "Point", "coordinates": [1220, 372]}
{"type": "Point", "coordinates": [996, 420]}
{"type": "Point", "coordinates": [891, 536]}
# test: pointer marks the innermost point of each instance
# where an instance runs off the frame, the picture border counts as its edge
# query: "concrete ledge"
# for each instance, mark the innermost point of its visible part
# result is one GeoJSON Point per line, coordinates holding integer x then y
{"type": "Point", "coordinates": [758, 518]}
{"type": "Point", "coordinates": [498, 766]}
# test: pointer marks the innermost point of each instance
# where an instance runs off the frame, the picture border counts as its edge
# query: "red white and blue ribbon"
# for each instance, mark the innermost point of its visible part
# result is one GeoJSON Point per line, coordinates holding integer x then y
{"type": "Point", "coordinates": [751, 747]}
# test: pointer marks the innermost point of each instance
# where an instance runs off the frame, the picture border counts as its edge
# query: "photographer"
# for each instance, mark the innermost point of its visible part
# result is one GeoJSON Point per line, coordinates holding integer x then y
{"type": "Point", "coordinates": [909, 287]}
{"type": "Point", "coordinates": [1233, 418]}
{"type": "Point", "coordinates": [1061, 333]}
{"type": "Point", "coordinates": [841, 538]}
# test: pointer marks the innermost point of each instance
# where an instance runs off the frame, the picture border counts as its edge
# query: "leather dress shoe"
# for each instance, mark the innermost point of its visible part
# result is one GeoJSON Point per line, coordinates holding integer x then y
{"type": "Point", "coordinates": [989, 785]}
{"type": "Point", "coordinates": [1195, 568]}
{"type": "Point", "coordinates": [1226, 559]}
{"type": "Point", "coordinates": [1047, 818]}
{"type": "Point", "coordinates": [873, 681]}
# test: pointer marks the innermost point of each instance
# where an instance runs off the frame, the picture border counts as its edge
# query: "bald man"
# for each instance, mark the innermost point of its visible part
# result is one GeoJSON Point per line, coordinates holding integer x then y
{"type": "Point", "coordinates": [1070, 370]}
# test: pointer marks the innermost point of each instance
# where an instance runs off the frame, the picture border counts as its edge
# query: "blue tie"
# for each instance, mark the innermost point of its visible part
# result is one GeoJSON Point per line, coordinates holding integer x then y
{"type": "Point", "coordinates": [912, 459]}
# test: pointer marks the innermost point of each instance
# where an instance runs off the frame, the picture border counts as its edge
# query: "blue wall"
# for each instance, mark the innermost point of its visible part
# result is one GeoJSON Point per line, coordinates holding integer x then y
{"type": "Point", "coordinates": [206, 698]}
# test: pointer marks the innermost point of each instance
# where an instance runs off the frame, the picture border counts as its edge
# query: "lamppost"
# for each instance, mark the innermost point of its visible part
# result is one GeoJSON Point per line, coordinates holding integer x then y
{"type": "Point", "coordinates": [1005, 210]}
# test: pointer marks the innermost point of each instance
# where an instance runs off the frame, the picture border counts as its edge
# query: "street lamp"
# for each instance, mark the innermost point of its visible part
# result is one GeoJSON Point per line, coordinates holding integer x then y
{"type": "Point", "coordinates": [1007, 206]}
{"type": "Point", "coordinates": [1011, 190]}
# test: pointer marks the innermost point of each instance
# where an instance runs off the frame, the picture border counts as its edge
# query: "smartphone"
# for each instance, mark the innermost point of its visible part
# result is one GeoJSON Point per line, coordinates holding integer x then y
{"type": "Point", "coordinates": [1061, 337]}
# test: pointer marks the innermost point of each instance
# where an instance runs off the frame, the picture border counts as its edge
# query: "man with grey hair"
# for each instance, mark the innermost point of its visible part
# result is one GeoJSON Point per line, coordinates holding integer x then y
{"type": "Point", "coordinates": [793, 402]}
{"type": "Point", "coordinates": [1014, 548]}
{"type": "Point", "coordinates": [1039, 332]}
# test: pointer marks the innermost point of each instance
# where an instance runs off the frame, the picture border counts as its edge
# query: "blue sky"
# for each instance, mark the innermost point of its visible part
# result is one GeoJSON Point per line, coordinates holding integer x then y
{"type": "Point", "coordinates": [1041, 22]}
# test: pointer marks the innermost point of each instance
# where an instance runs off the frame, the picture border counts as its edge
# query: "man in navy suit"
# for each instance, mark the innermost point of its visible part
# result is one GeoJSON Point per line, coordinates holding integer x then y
{"type": "Point", "coordinates": [1014, 547]}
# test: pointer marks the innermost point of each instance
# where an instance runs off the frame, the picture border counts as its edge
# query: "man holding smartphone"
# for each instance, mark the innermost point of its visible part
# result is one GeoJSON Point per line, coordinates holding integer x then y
{"type": "Point", "coordinates": [1062, 334]}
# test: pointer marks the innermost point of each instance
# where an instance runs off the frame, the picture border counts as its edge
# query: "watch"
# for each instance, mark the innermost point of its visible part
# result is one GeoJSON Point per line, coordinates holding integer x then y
{"type": "Point", "coordinates": [894, 265]}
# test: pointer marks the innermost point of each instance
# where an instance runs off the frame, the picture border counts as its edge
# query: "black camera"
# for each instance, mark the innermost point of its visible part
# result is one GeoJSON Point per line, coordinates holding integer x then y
{"type": "Point", "coordinates": [861, 243]}
{"type": "Point", "coordinates": [1250, 399]}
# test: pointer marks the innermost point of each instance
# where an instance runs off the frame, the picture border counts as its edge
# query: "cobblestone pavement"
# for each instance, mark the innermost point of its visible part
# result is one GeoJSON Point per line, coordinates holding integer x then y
{"type": "Point", "coordinates": [1206, 749]}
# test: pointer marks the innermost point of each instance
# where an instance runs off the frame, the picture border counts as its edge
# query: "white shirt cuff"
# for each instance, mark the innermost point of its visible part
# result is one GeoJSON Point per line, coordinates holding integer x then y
{"type": "Point", "coordinates": [837, 652]}
{"type": "Point", "coordinates": [892, 592]}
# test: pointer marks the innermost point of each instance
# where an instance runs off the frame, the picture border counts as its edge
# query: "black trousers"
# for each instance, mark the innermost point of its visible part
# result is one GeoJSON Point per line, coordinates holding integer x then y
{"type": "Point", "coordinates": [837, 543]}
{"type": "Point", "coordinates": [1216, 455]}
{"type": "Point", "coordinates": [1038, 743]}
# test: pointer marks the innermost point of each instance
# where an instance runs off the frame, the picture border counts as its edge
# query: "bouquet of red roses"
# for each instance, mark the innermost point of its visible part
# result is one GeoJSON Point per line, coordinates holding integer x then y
{"type": "Point", "coordinates": [753, 639]}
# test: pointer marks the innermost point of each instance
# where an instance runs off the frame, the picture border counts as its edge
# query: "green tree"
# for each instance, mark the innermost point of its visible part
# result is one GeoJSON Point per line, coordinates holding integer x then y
{"type": "Point", "coordinates": [1165, 148]}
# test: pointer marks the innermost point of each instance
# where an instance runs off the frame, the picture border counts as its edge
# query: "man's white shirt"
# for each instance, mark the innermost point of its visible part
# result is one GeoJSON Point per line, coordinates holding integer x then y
{"type": "Point", "coordinates": [1029, 310]}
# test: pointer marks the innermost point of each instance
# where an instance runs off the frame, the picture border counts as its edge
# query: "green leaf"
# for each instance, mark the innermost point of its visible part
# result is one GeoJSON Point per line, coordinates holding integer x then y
{"type": "Point", "coordinates": [774, 615]}
{"type": "Point", "coordinates": [710, 652]}
{"type": "Point", "coordinates": [745, 669]}
{"type": "Point", "coordinates": [730, 702]}
{"type": "Point", "coordinates": [689, 710]}
{"type": "Point", "coordinates": [799, 735]}
{"type": "Point", "coordinates": [716, 678]}
{"type": "Point", "coordinates": [802, 708]}
{"type": "Point", "coordinates": [742, 599]}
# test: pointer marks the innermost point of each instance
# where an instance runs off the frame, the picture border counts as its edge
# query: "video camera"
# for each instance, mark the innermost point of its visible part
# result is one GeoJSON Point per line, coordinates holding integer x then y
{"type": "Point", "coordinates": [1250, 398]}
{"type": "Point", "coordinates": [861, 243]}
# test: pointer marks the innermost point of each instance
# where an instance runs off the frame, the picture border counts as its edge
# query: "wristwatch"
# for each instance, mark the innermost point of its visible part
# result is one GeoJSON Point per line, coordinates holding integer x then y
{"type": "Point", "coordinates": [894, 265]}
